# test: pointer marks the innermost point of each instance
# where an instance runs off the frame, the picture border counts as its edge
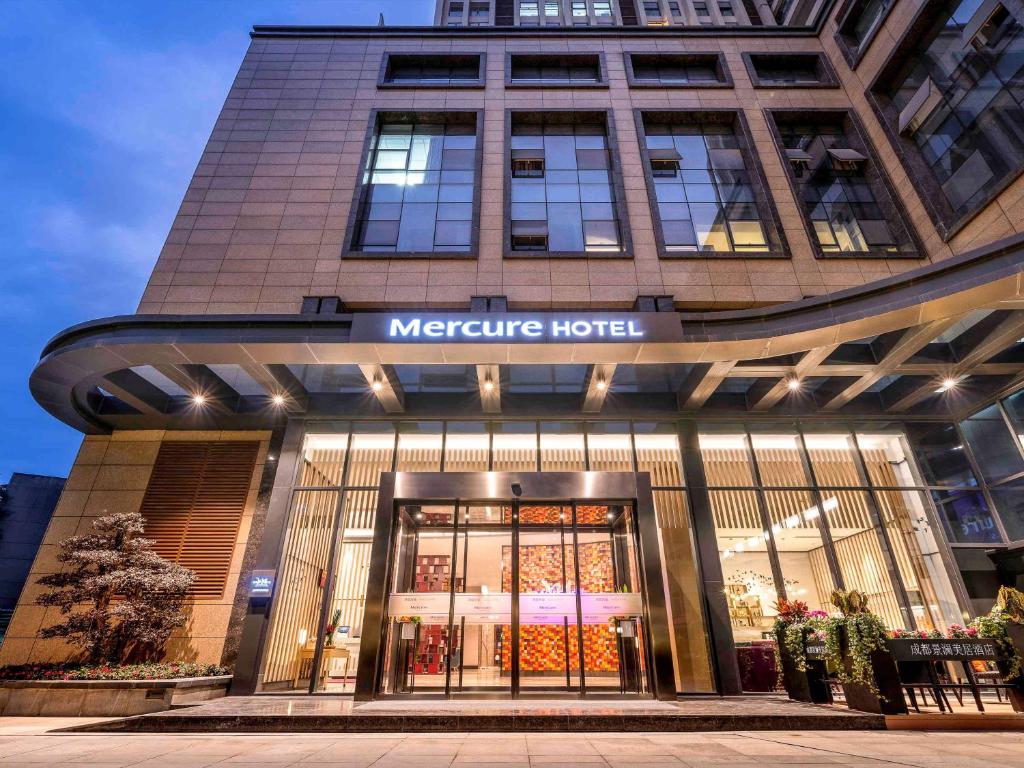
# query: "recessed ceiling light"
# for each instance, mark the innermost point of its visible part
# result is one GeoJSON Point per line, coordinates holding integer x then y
{"type": "Point", "coordinates": [277, 399]}
{"type": "Point", "coordinates": [199, 399]}
{"type": "Point", "coordinates": [793, 384]}
{"type": "Point", "coordinates": [377, 386]}
{"type": "Point", "coordinates": [601, 385]}
{"type": "Point", "coordinates": [947, 384]}
{"type": "Point", "coordinates": [488, 386]}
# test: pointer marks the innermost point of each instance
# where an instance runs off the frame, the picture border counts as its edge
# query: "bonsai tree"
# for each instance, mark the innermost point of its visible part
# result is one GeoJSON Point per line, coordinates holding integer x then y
{"type": "Point", "coordinates": [120, 599]}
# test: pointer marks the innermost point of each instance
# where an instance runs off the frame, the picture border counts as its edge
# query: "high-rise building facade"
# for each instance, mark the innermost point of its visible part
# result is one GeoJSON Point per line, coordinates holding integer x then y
{"type": "Point", "coordinates": [546, 348]}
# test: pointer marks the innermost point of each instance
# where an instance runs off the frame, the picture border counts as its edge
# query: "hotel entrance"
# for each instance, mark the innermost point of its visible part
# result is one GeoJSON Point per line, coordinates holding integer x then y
{"type": "Point", "coordinates": [509, 597]}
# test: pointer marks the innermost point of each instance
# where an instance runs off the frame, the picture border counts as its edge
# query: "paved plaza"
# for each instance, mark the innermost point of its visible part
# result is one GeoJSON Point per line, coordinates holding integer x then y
{"type": "Point", "coordinates": [25, 742]}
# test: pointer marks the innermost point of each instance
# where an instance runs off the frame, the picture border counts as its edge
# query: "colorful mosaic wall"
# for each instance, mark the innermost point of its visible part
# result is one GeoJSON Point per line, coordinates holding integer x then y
{"type": "Point", "coordinates": [542, 647]}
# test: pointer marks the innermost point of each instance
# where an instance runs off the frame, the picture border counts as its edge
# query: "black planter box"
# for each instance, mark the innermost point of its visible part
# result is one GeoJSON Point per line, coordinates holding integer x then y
{"type": "Point", "coordinates": [889, 699]}
{"type": "Point", "coordinates": [810, 684]}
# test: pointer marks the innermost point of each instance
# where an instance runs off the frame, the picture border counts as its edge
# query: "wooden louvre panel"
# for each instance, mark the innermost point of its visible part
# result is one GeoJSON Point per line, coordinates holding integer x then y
{"type": "Point", "coordinates": [194, 505]}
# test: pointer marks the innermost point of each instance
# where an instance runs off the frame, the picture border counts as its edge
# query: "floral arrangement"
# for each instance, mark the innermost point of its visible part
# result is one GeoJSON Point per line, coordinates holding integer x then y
{"type": "Point", "coordinates": [865, 633]}
{"type": "Point", "coordinates": [794, 624]}
{"type": "Point", "coordinates": [332, 627]}
{"type": "Point", "coordinates": [1009, 608]}
{"type": "Point", "coordinates": [148, 671]}
{"type": "Point", "coordinates": [955, 632]}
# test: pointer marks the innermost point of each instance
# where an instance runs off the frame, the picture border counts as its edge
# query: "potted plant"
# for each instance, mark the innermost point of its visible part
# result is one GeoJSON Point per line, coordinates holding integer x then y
{"type": "Point", "coordinates": [1004, 625]}
{"type": "Point", "coordinates": [856, 644]}
{"type": "Point", "coordinates": [804, 679]}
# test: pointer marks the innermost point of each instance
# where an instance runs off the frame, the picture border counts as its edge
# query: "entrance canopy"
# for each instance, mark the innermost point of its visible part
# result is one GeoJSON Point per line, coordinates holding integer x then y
{"type": "Point", "coordinates": [939, 338]}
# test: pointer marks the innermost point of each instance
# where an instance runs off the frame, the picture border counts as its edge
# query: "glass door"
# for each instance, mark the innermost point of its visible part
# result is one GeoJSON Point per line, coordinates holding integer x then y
{"type": "Point", "coordinates": [547, 640]}
{"type": "Point", "coordinates": [515, 599]}
{"type": "Point", "coordinates": [482, 606]}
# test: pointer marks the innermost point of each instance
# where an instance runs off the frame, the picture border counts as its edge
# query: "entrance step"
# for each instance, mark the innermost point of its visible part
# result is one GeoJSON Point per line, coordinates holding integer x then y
{"type": "Point", "coordinates": [292, 714]}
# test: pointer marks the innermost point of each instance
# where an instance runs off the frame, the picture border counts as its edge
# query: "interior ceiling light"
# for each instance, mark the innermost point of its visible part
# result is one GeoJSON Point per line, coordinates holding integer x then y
{"type": "Point", "coordinates": [278, 399]}
{"type": "Point", "coordinates": [377, 386]}
{"type": "Point", "coordinates": [601, 385]}
{"type": "Point", "coordinates": [199, 399]}
{"type": "Point", "coordinates": [947, 384]}
{"type": "Point", "coordinates": [488, 386]}
{"type": "Point", "coordinates": [793, 384]}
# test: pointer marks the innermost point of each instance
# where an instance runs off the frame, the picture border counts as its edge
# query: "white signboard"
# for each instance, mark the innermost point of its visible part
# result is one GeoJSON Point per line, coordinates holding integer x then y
{"type": "Point", "coordinates": [546, 608]}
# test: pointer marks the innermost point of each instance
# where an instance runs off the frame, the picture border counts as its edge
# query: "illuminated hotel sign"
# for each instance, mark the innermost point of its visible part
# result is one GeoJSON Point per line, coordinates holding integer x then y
{"type": "Point", "coordinates": [518, 327]}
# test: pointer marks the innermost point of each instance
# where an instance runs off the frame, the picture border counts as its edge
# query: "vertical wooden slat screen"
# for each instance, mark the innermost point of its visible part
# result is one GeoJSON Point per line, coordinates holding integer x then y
{"type": "Point", "coordinates": [561, 453]}
{"type": "Point", "coordinates": [194, 504]}
{"type": "Point", "coordinates": [659, 455]}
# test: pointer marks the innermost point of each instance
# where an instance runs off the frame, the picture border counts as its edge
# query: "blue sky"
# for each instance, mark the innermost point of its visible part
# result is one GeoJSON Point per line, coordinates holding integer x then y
{"type": "Point", "coordinates": [106, 108]}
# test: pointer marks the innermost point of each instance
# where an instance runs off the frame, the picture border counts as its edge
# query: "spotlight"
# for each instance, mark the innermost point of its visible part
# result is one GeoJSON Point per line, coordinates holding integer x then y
{"type": "Point", "coordinates": [601, 385]}
{"type": "Point", "coordinates": [199, 399]}
{"type": "Point", "coordinates": [377, 386]}
{"type": "Point", "coordinates": [947, 384]}
{"type": "Point", "coordinates": [793, 384]}
{"type": "Point", "coordinates": [488, 386]}
{"type": "Point", "coordinates": [277, 399]}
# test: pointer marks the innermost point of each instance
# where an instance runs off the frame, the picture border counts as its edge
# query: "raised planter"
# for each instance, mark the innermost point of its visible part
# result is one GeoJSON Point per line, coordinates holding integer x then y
{"type": "Point", "coordinates": [811, 683]}
{"type": "Point", "coordinates": [889, 699]}
{"type": "Point", "coordinates": [105, 698]}
{"type": "Point", "coordinates": [1016, 694]}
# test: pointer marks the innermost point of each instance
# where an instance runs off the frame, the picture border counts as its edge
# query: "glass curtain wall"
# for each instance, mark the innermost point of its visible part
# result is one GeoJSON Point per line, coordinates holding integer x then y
{"type": "Point", "coordinates": [798, 514]}
{"type": "Point", "coordinates": [324, 563]}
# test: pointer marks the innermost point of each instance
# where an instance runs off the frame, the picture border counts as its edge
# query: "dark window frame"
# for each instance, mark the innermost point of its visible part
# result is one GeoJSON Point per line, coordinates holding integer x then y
{"type": "Point", "coordinates": [851, 51]}
{"type": "Point", "coordinates": [878, 179]}
{"type": "Point", "coordinates": [765, 202]}
{"type": "Point", "coordinates": [946, 221]}
{"type": "Point", "coordinates": [602, 70]}
{"type": "Point", "coordinates": [725, 77]}
{"type": "Point", "coordinates": [386, 63]}
{"type": "Point", "coordinates": [827, 77]}
{"type": "Point", "coordinates": [618, 187]}
{"type": "Point", "coordinates": [377, 118]}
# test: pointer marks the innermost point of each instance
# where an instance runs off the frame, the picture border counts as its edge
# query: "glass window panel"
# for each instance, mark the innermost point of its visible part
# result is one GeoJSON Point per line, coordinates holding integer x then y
{"type": "Point", "coordinates": [795, 519]}
{"type": "Point", "coordinates": [323, 460]}
{"type": "Point", "coordinates": [515, 447]}
{"type": "Point", "coordinates": [918, 555]}
{"type": "Point", "coordinates": [1009, 501]}
{"type": "Point", "coordinates": [372, 449]}
{"type": "Point", "coordinates": [561, 447]}
{"type": "Point", "coordinates": [940, 454]}
{"type": "Point", "coordinates": [750, 588]}
{"type": "Point", "coordinates": [609, 447]}
{"type": "Point", "coordinates": [859, 550]}
{"type": "Point", "coordinates": [725, 459]}
{"type": "Point", "coordinates": [967, 518]}
{"type": "Point", "coordinates": [294, 625]}
{"type": "Point", "coordinates": [419, 447]}
{"type": "Point", "coordinates": [467, 447]}
{"type": "Point", "coordinates": [657, 452]}
{"type": "Point", "coordinates": [996, 451]}
{"type": "Point", "coordinates": [833, 459]}
{"type": "Point", "coordinates": [452, 234]}
{"type": "Point", "coordinates": [778, 459]}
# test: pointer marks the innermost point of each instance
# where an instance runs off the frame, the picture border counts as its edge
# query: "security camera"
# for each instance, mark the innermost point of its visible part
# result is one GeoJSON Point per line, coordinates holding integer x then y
{"type": "Point", "coordinates": [517, 490]}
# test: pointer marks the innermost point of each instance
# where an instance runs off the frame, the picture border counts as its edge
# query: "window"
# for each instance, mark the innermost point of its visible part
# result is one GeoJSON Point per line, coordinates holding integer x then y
{"type": "Point", "coordinates": [564, 199]}
{"type": "Point", "coordinates": [529, 165]}
{"type": "Point", "coordinates": [701, 9]}
{"type": "Point", "coordinates": [432, 69]}
{"type": "Point", "coordinates": [602, 9]}
{"type": "Point", "coordinates": [703, 190]}
{"type": "Point", "coordinates": [559, 70]}
{"type": "Point", "coordinates": [579, 10]}
{"type": "Point", "coordinates": [419, 185]}
{"type": "Point", "coordinates": [455, 9]}
{"type": "Point", "coordinates": [843, 196]}
{"type": "Point", "coordinates": [652, 8]}
{"type": "Point", "coordinates": [676, 69]}
{"type": "Point", "coordinates": [859, 24]}
{"type": "Point", "coordinates": [528, 12]}
{"type": "Point", "coordinates": [552, 9]}
{"type": "Point", "coordinates": [674, 9]}
{"type": "Point", "coordinates": [954, 95]}
{"type": "Point", "coordinates": [789, 70]}
{"type": "Point", "coordinates": [726, 9]}
{"type": "Point", "coordinates": [478, 11]}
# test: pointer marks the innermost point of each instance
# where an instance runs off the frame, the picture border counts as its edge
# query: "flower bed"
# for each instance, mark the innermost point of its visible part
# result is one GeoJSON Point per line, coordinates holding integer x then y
{"type": "Point", "coordinates": [164, 671]}
{"type": "Point", "coordinates": [81, 690]}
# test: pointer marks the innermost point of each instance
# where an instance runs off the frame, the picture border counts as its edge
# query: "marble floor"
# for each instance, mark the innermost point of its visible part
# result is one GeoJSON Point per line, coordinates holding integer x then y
{"type": "Point", "coordinates": [24, 742]}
